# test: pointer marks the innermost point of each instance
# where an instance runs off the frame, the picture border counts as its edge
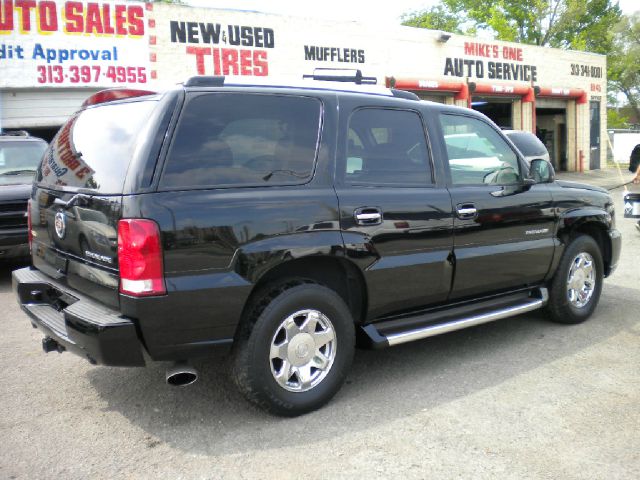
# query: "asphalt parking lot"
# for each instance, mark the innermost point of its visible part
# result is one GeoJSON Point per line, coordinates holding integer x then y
{"type": "Point", "coordinates": [519, 398]}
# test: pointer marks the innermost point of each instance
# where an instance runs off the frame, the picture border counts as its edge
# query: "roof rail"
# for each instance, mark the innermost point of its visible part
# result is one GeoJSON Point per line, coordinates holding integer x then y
{"type": "Point", "coordinates": [205, 81]}
{"type": "Point", "coordinates": [341, 75]}
{"type": "Point", "coordinates": [114, 94]}
{"type": "Point", "coordinates": [404, 94]}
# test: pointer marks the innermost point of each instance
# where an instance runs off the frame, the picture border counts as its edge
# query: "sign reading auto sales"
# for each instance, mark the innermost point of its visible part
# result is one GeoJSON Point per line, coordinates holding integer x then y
{"type": "Point", "coordinates": [72, 43]}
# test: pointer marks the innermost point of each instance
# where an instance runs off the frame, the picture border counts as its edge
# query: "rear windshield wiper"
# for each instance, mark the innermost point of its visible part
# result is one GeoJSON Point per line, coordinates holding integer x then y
{"type": "Point", "coordinates": [18, 172]}
{"type": "Point", "coordinates": [293, 173]}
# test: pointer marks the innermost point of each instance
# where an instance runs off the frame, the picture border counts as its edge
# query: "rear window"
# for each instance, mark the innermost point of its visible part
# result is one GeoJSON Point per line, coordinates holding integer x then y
{"type": "Point", "coordinates": [528, 144]}
{"type": "Point", "coordinates": [94, 148]}
{"type": "Point", "coordinates": [240, 139]}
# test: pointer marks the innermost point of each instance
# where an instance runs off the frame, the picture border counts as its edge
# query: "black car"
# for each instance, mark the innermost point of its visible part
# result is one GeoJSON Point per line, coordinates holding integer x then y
{"type": "Point", "coordinates": [290, 223]}
{"type": "Point", "coordinates": [20, 155]}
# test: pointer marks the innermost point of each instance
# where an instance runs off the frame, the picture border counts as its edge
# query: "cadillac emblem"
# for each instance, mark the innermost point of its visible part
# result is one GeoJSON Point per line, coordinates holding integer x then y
{"type": "Point", "coordinates": [60, 224]}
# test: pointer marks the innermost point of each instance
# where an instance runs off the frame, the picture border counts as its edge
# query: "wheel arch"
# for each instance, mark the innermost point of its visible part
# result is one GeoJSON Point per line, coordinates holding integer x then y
{"type": "Point", "coordinates": [594, 226]}
{"type": "Point", "coordinates": [337, 273]}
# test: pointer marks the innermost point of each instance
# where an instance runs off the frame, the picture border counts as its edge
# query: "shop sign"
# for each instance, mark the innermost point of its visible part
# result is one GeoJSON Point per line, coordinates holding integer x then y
{"type": "Point", "coordinates": [72, 43]}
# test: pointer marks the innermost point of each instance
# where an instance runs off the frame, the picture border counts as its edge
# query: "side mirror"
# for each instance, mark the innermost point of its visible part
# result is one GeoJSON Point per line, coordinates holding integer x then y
{"type": "Point", "coordinates": [541, 171]}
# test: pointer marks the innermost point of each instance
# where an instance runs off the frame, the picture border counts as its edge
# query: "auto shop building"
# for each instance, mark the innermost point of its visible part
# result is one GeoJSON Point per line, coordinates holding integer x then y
{"type": "Point", "coordinates": [55, 53]}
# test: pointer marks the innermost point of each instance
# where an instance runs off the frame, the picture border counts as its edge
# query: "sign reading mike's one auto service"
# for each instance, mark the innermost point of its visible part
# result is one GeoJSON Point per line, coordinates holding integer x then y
{"type": "Point", "coordinates": [73, 43]}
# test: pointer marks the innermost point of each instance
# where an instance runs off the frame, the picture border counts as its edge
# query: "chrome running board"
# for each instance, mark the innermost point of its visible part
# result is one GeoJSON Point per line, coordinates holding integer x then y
{"type": "Point", "coordinates": [396, 335]}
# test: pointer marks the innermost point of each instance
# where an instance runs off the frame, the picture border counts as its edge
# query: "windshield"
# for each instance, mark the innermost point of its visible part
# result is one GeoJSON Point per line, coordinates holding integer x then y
{"type": "Point", "coordinates": [20, 158]}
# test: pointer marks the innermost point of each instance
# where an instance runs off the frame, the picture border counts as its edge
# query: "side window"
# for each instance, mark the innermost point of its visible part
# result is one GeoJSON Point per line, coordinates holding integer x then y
{"type": "Point", "coordinates": [240, 139]}
{"type": "Point", "coordinates": [477, 153]}
{"type": "Point", "coordinates": [387, 147]}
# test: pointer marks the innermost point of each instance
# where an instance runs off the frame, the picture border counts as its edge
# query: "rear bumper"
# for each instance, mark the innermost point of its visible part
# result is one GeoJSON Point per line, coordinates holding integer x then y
{"type": "Point", "coordinates": [77, 323]}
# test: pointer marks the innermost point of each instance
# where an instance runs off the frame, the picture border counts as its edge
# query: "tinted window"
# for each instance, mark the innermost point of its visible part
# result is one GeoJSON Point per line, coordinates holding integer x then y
{"type": "Point", "coordinates": [528, 144]}
{"type": "Point", "coordinates": [94, 148]}
{"type": "Point", "coordinates": [387, 147]}
{"type": "Point", "coordinates": [243, 139]}
{"type": "Point", "coordinates": [477, 153]}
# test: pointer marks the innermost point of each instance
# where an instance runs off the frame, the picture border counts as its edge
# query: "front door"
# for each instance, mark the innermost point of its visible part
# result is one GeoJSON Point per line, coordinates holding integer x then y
{"type": "Point", "coordinates": [503, 230]}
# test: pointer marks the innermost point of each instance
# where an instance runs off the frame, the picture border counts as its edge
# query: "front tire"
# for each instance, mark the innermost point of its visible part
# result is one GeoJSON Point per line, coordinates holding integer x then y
{"type": "Point", "coordinates": [295, 349]}
{"type": "Point", "coordinates": [576, 287]}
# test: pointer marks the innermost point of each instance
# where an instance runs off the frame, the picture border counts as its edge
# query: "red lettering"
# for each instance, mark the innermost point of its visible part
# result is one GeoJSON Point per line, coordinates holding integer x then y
{"type": "Point", "coordinates": [468, 48]}
{"type": "Point", "coordinates": [136, 20]}
{"type": "Point", "coordinates": [75, 20]}
{"type": "Point", "coordinates": [121, 19]}
{"type": "Point", "coordinates": [216, 61]}
{"type": "Point", "coordinates": [25, 6]}
{"type": "Point", "coordinates": [260, 63]}
{"type": "Point", "coordinates": [494, 49]}
{"type": "Point", "coordinates": [48, 16]}
{"type": "Point", "coordinates": [6, 16]}
{"type": "Point", "coordinates": [512, 53]}
{"type": "Point", "coordinates": [82, 172]}
{"type": "Point", "coordinates": [245, 62]}
{"type": "Point", "coordinates": [94, 21]}
{"type": "Point", "coordinates": [106, 18]}
{"type": "Point", "coordinates": [229, 61]}
{"type": "Point", "coordinates": [199, 52]}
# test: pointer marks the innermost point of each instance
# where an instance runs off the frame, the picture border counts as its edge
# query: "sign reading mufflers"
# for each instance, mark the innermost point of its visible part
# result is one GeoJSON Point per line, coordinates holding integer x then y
{"type": "Point", "coordinates": [72, 43]}
{"type": "Point", "coordinates": [506, 63]}
{"type": "Point", "coordinates": [231, 49]}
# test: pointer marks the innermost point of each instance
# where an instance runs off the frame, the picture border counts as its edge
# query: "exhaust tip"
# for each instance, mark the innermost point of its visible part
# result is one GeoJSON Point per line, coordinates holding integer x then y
{"type": "Point", "coordinates": [181, 375]}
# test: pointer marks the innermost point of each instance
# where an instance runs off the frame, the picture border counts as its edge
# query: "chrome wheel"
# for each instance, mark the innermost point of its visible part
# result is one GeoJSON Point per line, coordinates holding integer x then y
{"type": "Point", "coordinates": [581, 280]}
{"type": "Point", "coordinates": [303, 350]}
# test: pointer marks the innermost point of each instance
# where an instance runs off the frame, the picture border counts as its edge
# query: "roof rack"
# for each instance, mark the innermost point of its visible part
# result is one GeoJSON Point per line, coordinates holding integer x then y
{"type": "Point", "coordinates": [404, 94]}
{"type": "Point", "coordinates": [341, 75]}
{"type": "Point", "coordinates": [205, 81]}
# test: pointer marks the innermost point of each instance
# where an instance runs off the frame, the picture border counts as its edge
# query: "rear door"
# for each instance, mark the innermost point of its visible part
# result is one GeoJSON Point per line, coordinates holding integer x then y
{"type": "Point", "coordinates": [504, 231]}
{"type": "Point", "coordinates": [396, 219]}
{"type": "Point", "coordinates": [77, 199]}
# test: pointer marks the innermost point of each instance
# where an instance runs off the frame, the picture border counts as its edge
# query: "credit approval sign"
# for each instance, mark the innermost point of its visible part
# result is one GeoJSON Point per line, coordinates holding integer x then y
{"type": "Point", "coordinates": [56, 43]}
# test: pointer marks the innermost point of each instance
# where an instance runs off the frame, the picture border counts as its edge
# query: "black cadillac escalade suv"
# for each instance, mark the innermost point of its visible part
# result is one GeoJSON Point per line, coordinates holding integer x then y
{"type": "Point", "coordinates": [291, 223]}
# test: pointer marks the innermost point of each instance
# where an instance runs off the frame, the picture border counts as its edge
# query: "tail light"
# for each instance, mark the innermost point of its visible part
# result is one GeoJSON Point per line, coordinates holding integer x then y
{"type": "Point", "coordinates": [140, 258]}
{"type": "Point", "coordinates": [29, 226]}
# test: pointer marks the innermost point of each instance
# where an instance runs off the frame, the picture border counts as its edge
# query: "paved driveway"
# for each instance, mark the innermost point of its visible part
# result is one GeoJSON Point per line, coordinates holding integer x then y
{"type": "Point", "coordinates": [519, 398]}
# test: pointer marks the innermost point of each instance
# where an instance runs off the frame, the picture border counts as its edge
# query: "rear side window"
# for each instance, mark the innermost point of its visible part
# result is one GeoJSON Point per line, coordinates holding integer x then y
{"type": "Point", "coordinates": [387, 147]}
{"type": "Point", "coordinates": [94, 148]}
{"type": "Point", "coordinates": [528, 144]}
{"type": "Point", "coordinates": [239, 139]}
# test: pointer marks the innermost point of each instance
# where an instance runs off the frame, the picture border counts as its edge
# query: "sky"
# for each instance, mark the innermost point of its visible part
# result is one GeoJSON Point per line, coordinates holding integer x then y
{"type": "Point", "coordinates": [366, 11]}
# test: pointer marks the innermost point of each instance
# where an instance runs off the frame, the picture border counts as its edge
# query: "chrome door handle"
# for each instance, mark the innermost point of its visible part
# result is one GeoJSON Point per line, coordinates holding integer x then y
{"type": "Point", "coordinates": [368, 216]}
{"type": "Point", "coordinates": [466, 211]}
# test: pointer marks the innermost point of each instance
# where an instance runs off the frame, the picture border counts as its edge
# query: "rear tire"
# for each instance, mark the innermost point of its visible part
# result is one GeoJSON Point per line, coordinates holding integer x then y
{"type": "Point", "coordinates": [575, 289]}
{"type": "Point", "coordinates": [295, 349]}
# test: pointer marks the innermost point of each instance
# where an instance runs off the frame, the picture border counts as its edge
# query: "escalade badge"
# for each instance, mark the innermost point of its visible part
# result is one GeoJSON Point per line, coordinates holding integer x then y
{"type": "Point", "coordinates": [60, 224]}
